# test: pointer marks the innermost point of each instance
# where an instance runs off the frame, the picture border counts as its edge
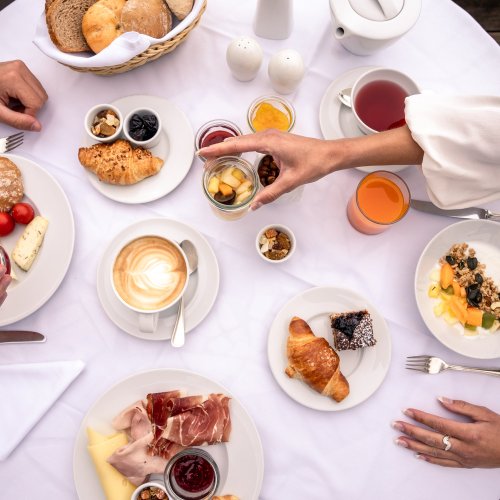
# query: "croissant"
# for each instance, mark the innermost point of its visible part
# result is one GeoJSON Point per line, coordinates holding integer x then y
{"type": "Point", "coordinates": [312, 360]}
{"type": "Point", "coordinates": [119, 162]}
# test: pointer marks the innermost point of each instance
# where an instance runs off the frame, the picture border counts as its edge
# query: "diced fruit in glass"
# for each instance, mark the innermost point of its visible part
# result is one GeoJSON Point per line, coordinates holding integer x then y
{"type": "Point", "coordinates": [225, 189]}
{"type": "Point", "coordinates": [238, 174]}
{"type": "Point", "coordinates": [230, 180]}
{"type": "Point", "coordinates": [487, 320]}
{"type": "Point", "coordinates": [213, 185]}
{"type": "Point", "coordinates": [243, 196]}
{"type": "Point", "coordinates": [244, 186]}
{"type": "Point", "coordinates": [446, 276]}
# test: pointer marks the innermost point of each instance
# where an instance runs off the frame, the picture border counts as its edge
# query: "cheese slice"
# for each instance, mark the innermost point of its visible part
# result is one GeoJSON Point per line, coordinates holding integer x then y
{"type": "Point", "coordinates": [29, 243]}
{"type": "Point", "coordinates": [100, 448]}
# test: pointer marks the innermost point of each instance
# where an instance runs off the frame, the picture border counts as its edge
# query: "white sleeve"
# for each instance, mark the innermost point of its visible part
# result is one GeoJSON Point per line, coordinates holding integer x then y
{"type": "Point", "coordinates": [460, 136]}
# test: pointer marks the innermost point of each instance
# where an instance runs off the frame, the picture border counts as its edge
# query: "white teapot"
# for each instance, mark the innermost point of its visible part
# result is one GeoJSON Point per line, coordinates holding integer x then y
{"type": "Point", "coordinates": [365, 26]}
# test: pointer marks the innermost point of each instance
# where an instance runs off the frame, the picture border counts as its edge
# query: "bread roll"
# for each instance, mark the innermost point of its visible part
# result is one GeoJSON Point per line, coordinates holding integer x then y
{"type": "Point", "coordinates": [149, 17]}
{"type": "Point", "coordinates": [180, 8]}
{"type": "Point", "coordinates": [11, 184]}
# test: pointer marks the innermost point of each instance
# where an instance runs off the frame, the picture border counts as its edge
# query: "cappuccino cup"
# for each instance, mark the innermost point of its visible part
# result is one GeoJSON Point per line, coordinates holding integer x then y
{"type": "Point", "coordinates": [149, 275]}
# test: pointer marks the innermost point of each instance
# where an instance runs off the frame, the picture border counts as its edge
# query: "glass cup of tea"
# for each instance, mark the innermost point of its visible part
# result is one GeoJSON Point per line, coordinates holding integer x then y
{"type": "Point", "coordinates": [381, 199]}
{"type": "Point", "coordinates": [378, 99]}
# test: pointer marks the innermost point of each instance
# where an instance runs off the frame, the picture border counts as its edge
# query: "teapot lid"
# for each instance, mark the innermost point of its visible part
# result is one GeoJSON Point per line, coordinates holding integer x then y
{"type": "Point", "coordinates": [377, 10]}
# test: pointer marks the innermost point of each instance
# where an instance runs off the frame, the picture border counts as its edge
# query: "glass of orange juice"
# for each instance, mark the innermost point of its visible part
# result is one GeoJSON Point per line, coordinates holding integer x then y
{"type": "Point", "coordinates": [381, 199]}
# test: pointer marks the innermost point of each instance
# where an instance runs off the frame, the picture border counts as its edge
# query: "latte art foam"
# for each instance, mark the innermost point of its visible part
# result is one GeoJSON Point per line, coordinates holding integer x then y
{"type": "Point", "coordinates": [149, 273]}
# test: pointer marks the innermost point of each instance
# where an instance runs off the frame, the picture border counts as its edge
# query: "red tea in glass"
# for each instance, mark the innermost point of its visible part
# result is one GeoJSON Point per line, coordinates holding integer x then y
{"type": "Point", "coordinates": [380, 105]}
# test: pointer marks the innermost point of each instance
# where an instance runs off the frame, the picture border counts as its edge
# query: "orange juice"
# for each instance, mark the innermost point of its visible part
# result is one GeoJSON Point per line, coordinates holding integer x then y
{"type": "Point", "coordinates": [381, 199]}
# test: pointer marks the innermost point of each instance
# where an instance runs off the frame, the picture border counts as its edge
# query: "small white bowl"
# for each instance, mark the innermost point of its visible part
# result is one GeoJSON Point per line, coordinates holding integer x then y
{"type": "Point", "coordinates": [89, 118]}
{"type": "Point", "coordinates": [153, 141]}
{"type": "Point", "coordinates": [282, 229]}
{"type": "Point", "coordinates": [155, 484]}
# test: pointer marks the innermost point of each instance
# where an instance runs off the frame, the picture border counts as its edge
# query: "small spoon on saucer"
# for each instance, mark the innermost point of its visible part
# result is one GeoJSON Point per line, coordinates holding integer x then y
{"type": "Point", "coordinates": [345, 97]}
{"type": "Point", "coordinates": [179, 333]}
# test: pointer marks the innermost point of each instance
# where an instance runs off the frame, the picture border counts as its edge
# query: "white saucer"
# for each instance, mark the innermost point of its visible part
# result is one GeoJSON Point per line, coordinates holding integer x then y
{"type": "Point", "coordinates": [364, 369]}
{"type": "Point", "coordinates": [33, 288]}
{"type": "Point", "coordinates": [337, 121]}
{"type": "Point", "coordinates": [176, 148]}
{"type": "Point", "coordinates": [199, 296]}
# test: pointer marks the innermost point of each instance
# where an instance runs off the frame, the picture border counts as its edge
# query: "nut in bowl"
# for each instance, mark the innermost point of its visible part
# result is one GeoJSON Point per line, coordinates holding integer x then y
{"type": "Point", "coordinates": [275, 243]}
{"type": "Point", "coordinates": [150, 491]}
{"type": "Point", "coordinates": [142, 127]}
{"type": "Point", "coordinates": [103, 123]}
{"type": "Point", "coordinates": [271, 112]}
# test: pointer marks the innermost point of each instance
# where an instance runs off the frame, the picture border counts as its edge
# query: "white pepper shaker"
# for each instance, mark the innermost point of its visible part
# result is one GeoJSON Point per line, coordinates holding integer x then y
{"type": "Point", "coordinates": [244, 57]}
{"type": "Point", "coordinates": [273, 19]}
{"type": "Point", "coordinates": [286, 70]}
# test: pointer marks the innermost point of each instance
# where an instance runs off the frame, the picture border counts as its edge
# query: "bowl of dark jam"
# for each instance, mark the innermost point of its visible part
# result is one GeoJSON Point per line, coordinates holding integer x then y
{"type": "Point", "coordinates": [214, 132]}
{"type": "Point", "coordinates": [192, 474]}
{"type": "Point", "coordinates": [142, 127]}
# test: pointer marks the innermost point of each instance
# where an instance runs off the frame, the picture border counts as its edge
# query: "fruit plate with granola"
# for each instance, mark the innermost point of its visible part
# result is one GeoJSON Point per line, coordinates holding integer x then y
{"type": "Point", "coordinates": [457, 284]}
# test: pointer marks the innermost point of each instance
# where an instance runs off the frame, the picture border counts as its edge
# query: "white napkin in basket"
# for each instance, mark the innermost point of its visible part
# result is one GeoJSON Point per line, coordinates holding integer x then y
{"type": "Point", "coordinates": [27, 391]}
{"type": "Point", "coordinates": [124, 48]}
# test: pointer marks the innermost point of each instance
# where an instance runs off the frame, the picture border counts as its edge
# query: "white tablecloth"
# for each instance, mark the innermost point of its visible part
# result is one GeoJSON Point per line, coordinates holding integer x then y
{"type": "Point", "coordinates": [308, 454]}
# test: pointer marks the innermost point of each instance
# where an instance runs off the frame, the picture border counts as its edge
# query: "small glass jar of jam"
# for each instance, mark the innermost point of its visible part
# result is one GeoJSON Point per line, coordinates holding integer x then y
{"type": "Point", "coordinates": [271, 112]}
{"type": "Point", "coordinates": [192, 474]}
{"type": "Point", "coordinates": [214, 132]}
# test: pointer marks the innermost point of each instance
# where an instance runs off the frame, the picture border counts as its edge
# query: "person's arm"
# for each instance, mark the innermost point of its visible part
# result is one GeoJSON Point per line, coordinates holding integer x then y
{"type": "Point", "coordinates": [475, 444]}
{"type": "Point", "coordinates": [302, 160]}
{"type": "Point", "coordinates": [21, 96]}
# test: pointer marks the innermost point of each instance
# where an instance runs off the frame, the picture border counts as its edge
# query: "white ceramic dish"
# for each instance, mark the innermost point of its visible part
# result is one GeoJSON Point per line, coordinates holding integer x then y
{"type": "Point", "coordinates": [283, 229]}
{"type": "Point", "coordinates": [199, 296]}
{"type": "Point", "coordinates": [89, 120]}
{"type": "Point", "coordinates": [240, 460]}
{"type": "Point", "coordinates": [484, 237]}
{"type": "Point", "coordinates": [176, 148]}
{"type": "Point", "coordinates": [365, 369]}
{"type": "Point", "coordinates": [33, 288]}
{"type": "Point", "coordinates": [338, 121]}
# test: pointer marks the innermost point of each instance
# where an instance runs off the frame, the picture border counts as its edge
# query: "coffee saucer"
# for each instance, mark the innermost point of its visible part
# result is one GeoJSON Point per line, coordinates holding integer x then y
{"type": "Point", "coordinates": [199, 296]}
{"type": "Point", "coordinates": [337, 121]}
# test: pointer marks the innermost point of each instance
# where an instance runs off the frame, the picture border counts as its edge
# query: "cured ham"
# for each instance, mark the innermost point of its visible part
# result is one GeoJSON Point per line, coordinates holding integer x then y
{"type": "Point", "coordinates": [164, 424]}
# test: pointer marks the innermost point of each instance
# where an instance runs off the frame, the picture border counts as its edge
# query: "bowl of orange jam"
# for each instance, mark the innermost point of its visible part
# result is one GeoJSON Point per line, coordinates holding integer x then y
{"type": "Point", "coordinates": [271, 112]}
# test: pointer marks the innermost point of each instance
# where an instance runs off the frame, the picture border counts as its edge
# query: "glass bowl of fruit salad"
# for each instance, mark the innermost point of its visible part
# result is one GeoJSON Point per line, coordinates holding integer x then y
{"type": "Point", "coordinates": [230, 184]}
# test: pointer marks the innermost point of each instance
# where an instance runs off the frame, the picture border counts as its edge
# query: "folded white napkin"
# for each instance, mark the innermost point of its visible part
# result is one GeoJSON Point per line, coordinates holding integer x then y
{"type": "Point", "coordinates": [27, 391]}
{"type": "Point", "coordinates": [119, 51]}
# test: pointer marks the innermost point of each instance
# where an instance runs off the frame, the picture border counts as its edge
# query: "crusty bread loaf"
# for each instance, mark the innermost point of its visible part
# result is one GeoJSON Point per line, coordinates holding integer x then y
{"type": "Point", "coordinates": [180, 8]}
{"type": "Point", "coordinates": [119, 162]}
{"type": "Point", "coordinates": [101, 23]}
{"type": "Point", "coordinates": [150, 17]}
{"type": "Point", "coordinates": [64, 23]}
{"type": "Point", "coordinates": [11, 184]}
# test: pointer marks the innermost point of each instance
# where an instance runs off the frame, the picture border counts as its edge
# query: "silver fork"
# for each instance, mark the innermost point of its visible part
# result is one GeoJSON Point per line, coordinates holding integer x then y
{"type": "Point", "coordinates": [11, 142]}
{"type": "Point", "coordinates": [433, 365]}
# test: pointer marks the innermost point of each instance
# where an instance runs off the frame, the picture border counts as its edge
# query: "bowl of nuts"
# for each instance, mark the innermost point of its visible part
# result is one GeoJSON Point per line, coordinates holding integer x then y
{"type": "Point", "coordinates": [150, 491]}
{"type": "Point", "coordinates": [103, 123]}
{"type": "Point", "coordinates": [268, 171]}
{"type": "Point", "coordinates": [275, 243]}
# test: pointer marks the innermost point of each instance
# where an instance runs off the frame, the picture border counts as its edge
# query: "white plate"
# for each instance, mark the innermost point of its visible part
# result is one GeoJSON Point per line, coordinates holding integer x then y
{"type": "Point", "coordinates": [176, 148]}
{"type": "Point", "coordinates": [240, 460]}
{"type": "Point", "coordinates": [337, 121]}
{"type": "Point", "coordinates": [199, 296]}
{"type": "Point", "coordinates": [484, 237]}
{"type": "Point", "coordinates": [365, 369]}
{"type": "Point", "coordinates": [35, 287]}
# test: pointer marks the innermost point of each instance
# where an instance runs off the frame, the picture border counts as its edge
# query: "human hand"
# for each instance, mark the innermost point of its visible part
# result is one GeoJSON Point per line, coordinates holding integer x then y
{"type": "Point", "coordinates": [5, 280]}
{"type": "Point", "coordinates": [21, 96]}
{"type": "Point", "coordinates": [300, 159]}
{"type": "Point", "coordinates": [474, 444]}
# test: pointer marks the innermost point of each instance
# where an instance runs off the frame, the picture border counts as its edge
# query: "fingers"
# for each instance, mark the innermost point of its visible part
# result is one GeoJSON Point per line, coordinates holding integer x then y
{"type": "Point", "coordinates": [270, 193]}
{"type": "Point", "coordinates": [3, 297]}
{"type": "Point", "coordinates": [441, 425]}
{"type": "Point", "coordinates": [430, 451]}
{"type": "Point", "coordinates": [479, 413]}
{"type": "Point", "coordinates": [21, 121]}
{"type": "Point", "coordinates": [443, 462]}
{"type": "Point", "coordinates": [233, 145]}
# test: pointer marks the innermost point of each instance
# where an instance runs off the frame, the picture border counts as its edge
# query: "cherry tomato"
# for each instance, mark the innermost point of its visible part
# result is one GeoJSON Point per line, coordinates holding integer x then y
{"type": "Point", "coordinates": [22, 213]}
{"type": "Point", "coordinates": [7, 224]}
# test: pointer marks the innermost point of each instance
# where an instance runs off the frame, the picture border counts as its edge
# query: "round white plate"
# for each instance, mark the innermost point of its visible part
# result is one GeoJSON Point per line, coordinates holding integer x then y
{"type": "Point", "coordinates": [484, 237]}
{"type": "Point", "coordinates": [337, 121]}
{"type": "Point", "coordinates": [199, 296]}
{"type": "Point", "coordinates": [176, 148]}
{"type": "Point", "coordinates": [33, 288]}
{"type": "Point", "coordinates": [240, 460]}
{"type": "Point", "coordinates": [365, 369]}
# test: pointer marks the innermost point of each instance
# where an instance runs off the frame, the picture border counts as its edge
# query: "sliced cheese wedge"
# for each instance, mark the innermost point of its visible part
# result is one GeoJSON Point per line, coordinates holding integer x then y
{"type": "Point", "coordinates": [100, 448]}
{"type": "Point", "coordinates": [29, 243]}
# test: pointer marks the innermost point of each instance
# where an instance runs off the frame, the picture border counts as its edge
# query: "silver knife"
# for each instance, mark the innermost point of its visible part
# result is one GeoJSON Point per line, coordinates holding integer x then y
{"type": "Point", "coordinates": [20, 336]}
{"type": "Point", "coordinates": [462, 213]}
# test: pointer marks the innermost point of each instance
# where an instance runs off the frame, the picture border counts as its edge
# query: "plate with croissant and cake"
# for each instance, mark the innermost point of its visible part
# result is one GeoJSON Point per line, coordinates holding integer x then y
{"type": "Point", "coordinates": [36, 235]}
{"type": "Point", "coordinates": [329, 348]}
{"type": "Point", "coordinates": [138, 150]}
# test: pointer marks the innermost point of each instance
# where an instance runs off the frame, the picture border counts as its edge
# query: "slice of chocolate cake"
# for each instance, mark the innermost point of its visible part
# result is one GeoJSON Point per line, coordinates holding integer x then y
{"type": "Point", "coordinates": [352, 330]}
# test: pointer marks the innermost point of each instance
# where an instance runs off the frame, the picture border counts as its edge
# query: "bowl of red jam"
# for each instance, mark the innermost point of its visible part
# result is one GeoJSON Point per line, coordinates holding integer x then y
{"type": "Point", "coordinates": [192, 474]}
{"type": "Point", "coordinates": [214, 132]}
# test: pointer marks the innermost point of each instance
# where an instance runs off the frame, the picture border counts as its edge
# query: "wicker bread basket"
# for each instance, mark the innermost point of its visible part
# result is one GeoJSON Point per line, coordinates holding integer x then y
{"type": "Point", "coordinates": [152, 53]}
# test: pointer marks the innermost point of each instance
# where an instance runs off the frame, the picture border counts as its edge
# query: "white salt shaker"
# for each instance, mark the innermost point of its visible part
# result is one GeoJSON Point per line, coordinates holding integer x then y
{"type": "Point", "coordinates": [244, 57]}
{"type": "Point", "coordinates": [286, 70]}
{"type": "Point", "coordinates": [273, 19]}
